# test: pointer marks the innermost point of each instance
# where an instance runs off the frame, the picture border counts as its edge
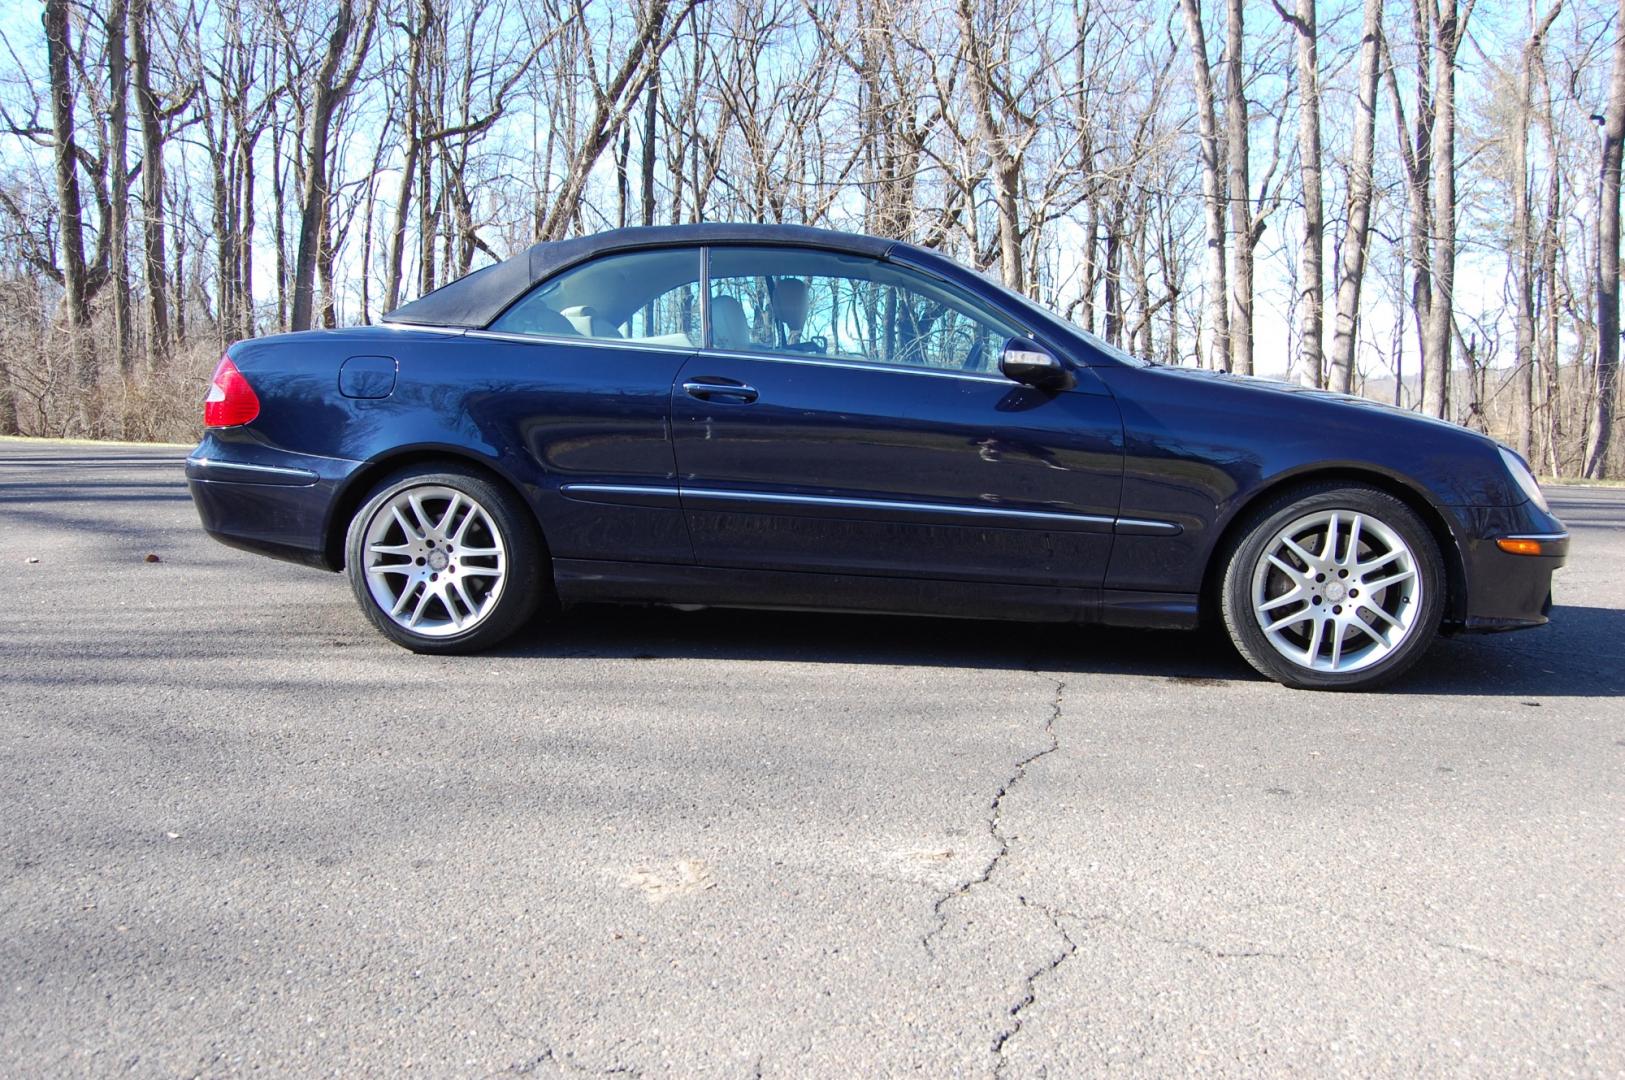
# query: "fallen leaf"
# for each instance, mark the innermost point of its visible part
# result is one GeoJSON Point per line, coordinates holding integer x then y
{"type": "Point", "coordinates": [153, 558]}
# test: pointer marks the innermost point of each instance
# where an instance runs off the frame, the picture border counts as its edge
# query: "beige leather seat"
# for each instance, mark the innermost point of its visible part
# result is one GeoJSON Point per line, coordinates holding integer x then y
{"type": "Point", "coordinates": [588, 322]}
{"type": "Point", "coordinates": [729, 329]}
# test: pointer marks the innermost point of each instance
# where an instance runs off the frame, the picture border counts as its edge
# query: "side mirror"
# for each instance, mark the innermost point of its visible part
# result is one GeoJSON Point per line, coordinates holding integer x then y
{"type": "Point", "coordinates": [1030, 364]}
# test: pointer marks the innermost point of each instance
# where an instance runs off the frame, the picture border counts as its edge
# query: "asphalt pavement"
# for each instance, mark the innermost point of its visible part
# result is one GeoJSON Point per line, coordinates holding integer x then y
{"type": "Point", "coordinates": [240, 831]}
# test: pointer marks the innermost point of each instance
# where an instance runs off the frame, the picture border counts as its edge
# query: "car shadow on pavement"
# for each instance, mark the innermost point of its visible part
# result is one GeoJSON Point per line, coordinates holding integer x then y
{"type": "Point", "coordinates": [1562, 659]}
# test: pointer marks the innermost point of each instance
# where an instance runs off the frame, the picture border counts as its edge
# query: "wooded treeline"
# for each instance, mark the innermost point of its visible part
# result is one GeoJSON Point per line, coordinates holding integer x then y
{"type": "Point", "coordinates": [1413, 199]}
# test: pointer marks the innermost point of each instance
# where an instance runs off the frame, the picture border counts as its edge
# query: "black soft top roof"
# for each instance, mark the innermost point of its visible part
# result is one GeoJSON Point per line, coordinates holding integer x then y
{"type": "Point", "coordinates": [473, 301]}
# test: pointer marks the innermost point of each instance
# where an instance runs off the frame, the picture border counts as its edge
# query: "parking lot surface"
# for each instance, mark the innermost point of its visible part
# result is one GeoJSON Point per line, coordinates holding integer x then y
{"type": "Point", "coordinates": [239, 830]}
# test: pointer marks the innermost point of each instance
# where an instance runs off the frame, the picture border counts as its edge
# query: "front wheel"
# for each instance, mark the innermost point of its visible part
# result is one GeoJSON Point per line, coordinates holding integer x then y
{"type": "Point", "coordinates": [445, 561]}
{"type": "Point", "coordinates": [1335, 587]}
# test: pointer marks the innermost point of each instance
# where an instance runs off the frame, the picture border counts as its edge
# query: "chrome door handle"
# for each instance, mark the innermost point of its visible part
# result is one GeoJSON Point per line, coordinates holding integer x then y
{"type": "Point", "coordinates": [730, 391]}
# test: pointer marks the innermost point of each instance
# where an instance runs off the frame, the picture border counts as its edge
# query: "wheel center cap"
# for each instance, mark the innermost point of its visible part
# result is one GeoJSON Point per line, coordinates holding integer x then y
{"type": "Point", "coordinates": [1334, 590]}
{"type": "Point", "coordinates": [438, 560]}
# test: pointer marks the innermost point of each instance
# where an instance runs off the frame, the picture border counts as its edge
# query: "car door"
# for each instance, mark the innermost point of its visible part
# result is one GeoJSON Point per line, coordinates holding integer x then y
{"type": "Point", "coordinates": [587, 361]}
{"type": "Point", "coordinates": [847, 416]}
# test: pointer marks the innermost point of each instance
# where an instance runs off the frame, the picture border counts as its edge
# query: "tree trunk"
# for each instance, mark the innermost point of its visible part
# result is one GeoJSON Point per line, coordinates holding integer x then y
{"type": "Point", "coordinates": [1006, 166]}
{"type": "Point", "coordinates": [328, 89]}
{"type": "Point", "coordinates": [412, 131]}
{"type": "Point", "coordinates": [1522, 254]}
{"type": "Point", "coordinates": [65, 153]}
{"type": "Point", "coordinates": [1607, 367]}
{"type": "Point", "coordinates": [1312, 298]}
{"type": "Point", "coordinates": [155, 257]}
{"type": "Point", "coordinates": [1218, 290]}
{"type": "Point", "coordinates": [1441, 309]}
{"type": "Point", "coordinates": [118, 90]}
{"type": "Point", "coordinates": [1357, 238]}
{"type": "Point", "coordinates": [650, 111]}
{"type": "Point", "coordinates": [1241, 205]}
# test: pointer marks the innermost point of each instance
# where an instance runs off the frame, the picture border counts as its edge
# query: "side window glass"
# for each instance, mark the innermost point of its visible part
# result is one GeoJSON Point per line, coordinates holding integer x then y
{"type": "Point", "coordinates": [798, 301]}
{"type": "Point", "coordinates": [651, 297]}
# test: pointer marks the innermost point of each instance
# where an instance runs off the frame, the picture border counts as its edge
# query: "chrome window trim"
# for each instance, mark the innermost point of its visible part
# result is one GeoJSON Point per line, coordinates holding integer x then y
{"type": "Point", "coordinates": [862, 504]}
{"type": "Point", "coordinates": [428, 328]}
{"type": "Point", "coordinates": [592, 343]}
{"type": "Point", "coordinates": [1543, 537]}
{"type": "Point", "coordinates": [855, 365]}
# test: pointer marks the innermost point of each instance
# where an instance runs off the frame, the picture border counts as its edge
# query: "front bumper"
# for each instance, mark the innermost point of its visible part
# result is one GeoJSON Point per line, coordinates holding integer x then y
{"type": "Point", "coordinates": [1507, 591]}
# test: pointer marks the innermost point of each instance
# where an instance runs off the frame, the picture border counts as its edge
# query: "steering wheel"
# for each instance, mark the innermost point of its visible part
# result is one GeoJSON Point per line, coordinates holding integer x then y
{"type": "Point", "coordinates": [816, 346]}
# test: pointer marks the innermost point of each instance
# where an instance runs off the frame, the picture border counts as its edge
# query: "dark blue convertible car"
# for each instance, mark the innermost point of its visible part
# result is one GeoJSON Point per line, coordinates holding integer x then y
{"type": "Point", "coordinates": [782, 417]}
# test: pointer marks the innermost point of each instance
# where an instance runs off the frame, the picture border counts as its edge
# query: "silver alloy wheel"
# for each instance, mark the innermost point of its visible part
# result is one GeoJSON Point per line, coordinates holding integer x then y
{"type": "Point", "coordinates": [1336, 591]}
{"type": "Point", "coordinates": [435, 560]}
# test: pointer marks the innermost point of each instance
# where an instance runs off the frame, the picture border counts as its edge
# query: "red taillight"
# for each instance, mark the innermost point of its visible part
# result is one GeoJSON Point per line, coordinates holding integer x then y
{"type": "Point", "coordinates": [231, 400]}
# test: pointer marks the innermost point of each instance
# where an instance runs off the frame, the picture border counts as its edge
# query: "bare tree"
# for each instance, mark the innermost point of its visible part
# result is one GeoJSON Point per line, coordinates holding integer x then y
{"type": "Point", "coordinates": [1607, 367]}
{"type": "Point", "coordinates": [76, 282]}
{"type": "Point", "coordinates": [149, 110]}
{"type": "Point", "coordinates": [1213, 197]}
{"type": "Point", "coordinates": [1449, 22]}
{"type": "Point", "coordinates": [1357, 236]}
{"type": "Point", "coordinates": [347, 43]}
{"type": "Point", "coordinates": [1243, 226]}
{"type": "Point", "coordinates": [657, 25]}
{"type": "Point", "coordinates": [1311, 283]}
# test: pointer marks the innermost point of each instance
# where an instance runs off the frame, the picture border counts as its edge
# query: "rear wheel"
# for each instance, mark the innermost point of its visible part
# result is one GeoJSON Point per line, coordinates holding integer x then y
{"type": "Point", "coordinates": [445, 561]}
{"type": "Point", "coordinates": [1334, 587]}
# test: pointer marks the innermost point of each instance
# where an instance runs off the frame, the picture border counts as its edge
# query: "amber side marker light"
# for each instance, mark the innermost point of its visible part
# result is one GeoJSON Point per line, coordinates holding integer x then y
{"type": "Point", "coordinates": [1517, 546]}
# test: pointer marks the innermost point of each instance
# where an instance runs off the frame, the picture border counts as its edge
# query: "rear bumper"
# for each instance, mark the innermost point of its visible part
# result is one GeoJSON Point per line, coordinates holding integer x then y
{"type": "Point", "coordinates": [278, 510]}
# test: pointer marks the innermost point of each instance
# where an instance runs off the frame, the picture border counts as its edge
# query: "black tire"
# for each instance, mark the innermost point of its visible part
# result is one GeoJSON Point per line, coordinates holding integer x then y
{"type": "Point", "coordinates": [523, 582]}
{"type": "Point", "coordinates": [1243, 562]}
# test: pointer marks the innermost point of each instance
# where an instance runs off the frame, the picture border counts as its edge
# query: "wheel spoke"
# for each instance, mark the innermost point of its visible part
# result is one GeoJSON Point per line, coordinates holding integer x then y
{"type": "Point", "coordinates": [1359, 623]}
{"type": "Point", "coordinates": [462, 594]}
{"type": "Point", "coordinates": [1353, 551]}
{"type": "Point", "coordinates": [1378, 611]}
{"type": "Point", "coordinates": [1313, 651]}
{"type": "Point", "coordinates": [1305, 612]}
{"type": "Point", "coordinates": [393, 568]}
{"type": "Point", "coordinates": [400, 519]}
{"type": "Point", "coordinates": [480, 571]}
{"type": "Point", "coordinates": [1392, 579]}
{"type": "Point", "coordinates": [1298, 550]}
{"type": "Point", "coordinates": [1337, 646]}
{"type": "Point", "coordinates": [468, 519]}
{"type": "Point", "coordinates": [478, 553]}
{"type": "Point", "coordinates": [402, 600]}
{"type": "Point", "coordinates": [1328, 547]}
{"type": "Point", "coordinates": [422, 515]}
{"type": "Point", "coordinates": [423, 601]}
{"type": "Point", "coordinates": [1292, 572]}
{"type": "Point", "coordinates": [445, 519]}
{"type": "Point", "coordinates": [456, 616]}
{"type": "Point", "coordinates": [1294, 596]}
{"type": "Point", "coordinates": [1377, 563]}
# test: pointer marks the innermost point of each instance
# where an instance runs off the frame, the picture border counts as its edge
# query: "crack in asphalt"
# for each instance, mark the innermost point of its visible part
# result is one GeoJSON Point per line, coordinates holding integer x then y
{"type": "Point", "coordinates": [1210, 951]}
{"type": "Point", "coordinates": [995, 828]}
{"type": "Point", "coordinates": [1029, 995]}
{"type": "Point", "coordinates": [995, 825]}
{"type": "Point", "coordinates": [550, 1056]}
